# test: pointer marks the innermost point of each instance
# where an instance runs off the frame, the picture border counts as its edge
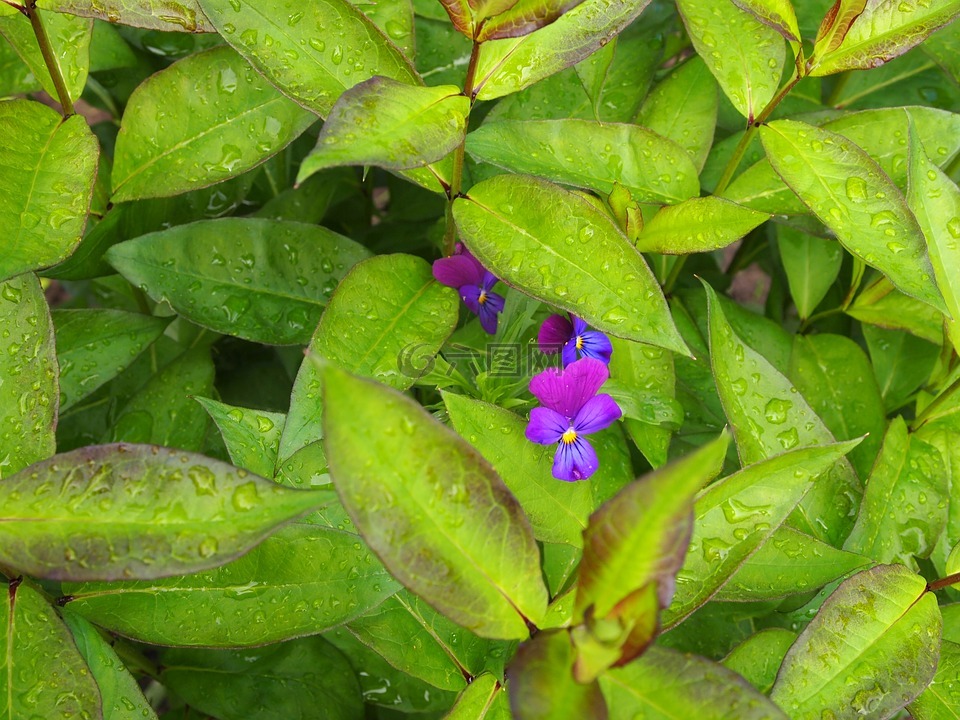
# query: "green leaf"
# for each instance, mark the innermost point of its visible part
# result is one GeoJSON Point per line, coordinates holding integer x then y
{"type": "Point", "coordinates": [484, 699]}
{"type": "Point", "coordinates": [880, 304]}
{"type": "Point", "coordinates": [284, 680]}
{"type": "Point", "coordinates": [162, 412]}
{"type": "Point", "coordinates": [119, 689]}
{"type": "Point", "coordinates": [664, 684]}
{"type": "Point", "coordinates": [49, 167]}
{"type": "Point", "coordinates": [509, 65]}
{"type": "Point", "coordinates": [812, 265]}
{"type": "Point", "coordinates": [69, 38]}
{"type": "Point", "coordinates": [263, 280]}
{"type": "Point", "coordinates": [683, 108]}
{"type": "Point", "coordinates": [388, 310]}
{"type": "Point", "coordinates": [29, 392]}
{"type": "Point", "coordinates": [758, 657]}
{"type": "Point", "coordinates": [128, 511]}
{"type": "Point", "coordinates": [252, 436]}
{"type": "Point", "coordinates": [640, 536]}
{"type": "Point", "coordinates": [876, 670]}
{"type": "Point", "coordinates": [789, 563]}
{"type": "Point", "coordinates": [901, 363]}
{"type": "Point", "coordinates": [745, 55]}
{"type": "Point", "coordinates": [834, 375]}
{"type": "Point", "coordinates": [904, 506]}
{"type": "Point", "coordinates": [935, 200]}
{"type": "Point", "coordinates": [558, 511]}
{"type": "Point", "coordinates": [310, 577]}
{"type": "Point", "coordinates": [851, 195]}
{"type": "Point", "coordinates": [778, 14]}
{"type": "Point", "coordinates": [96, 345]}
{"type": "Point", "coordinates": [592, 155]}
{"type": "Point", "coordinates": [944, 47]}
{"type": "Point", "coordinates": [44, 675]}
{"type": "Point", "coordinates": [509, 219]}
{"type": "Point", "coordinates": [882, 31]}
{"type": "Point", "coordinates": [302, 57]}
{"type": "Point", "coordinates": [769, 416]}
{"type": "Point", "coordinates": [431, 508]}
{"type": "Point", "coordinates": [836, 24]}
{"type": "Point", "coordinates": [389, 124]}
{"type": "Point", "coordinates": [735, 516]}
{"type": "Point", "coordinates": [182, 16]}
{"type": "Point", "coordinates": [204, 119]}
{"type": "Point", "coordinates": [697, 225]}
{"type": "Point", "coordinates": [939, 700]}
{"type": "Point", "coordinates": [522, 18]}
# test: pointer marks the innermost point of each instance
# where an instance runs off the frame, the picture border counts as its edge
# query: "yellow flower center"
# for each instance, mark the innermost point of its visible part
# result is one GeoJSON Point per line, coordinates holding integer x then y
{"type": "Point", "coordinates": [568, 437]}
{"type": "Point", "coordinates": [579, 343]}
{"type": "Point", "coordinates": [483, 297]}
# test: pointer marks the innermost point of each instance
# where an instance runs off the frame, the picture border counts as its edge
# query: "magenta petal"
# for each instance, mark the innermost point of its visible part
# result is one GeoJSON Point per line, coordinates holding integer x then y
{"type": "Point", "coordinates": [457, 271]}
{"type": "Point", "coordinates": [597, 413]}
{"type": "Point", "coordinates": [576, 461]}
{"type": "Point", "coordinates": [546, 427]}
{"type": "Point", "coordinates": [555, 331]}
{"type": "Point", "coordinates": [568, 390]}
{"type": "Point", "coordinates": [470, 294]}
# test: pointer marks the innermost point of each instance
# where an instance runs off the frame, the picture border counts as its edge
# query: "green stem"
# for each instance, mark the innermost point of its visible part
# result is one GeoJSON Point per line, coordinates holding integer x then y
{"type": "Point", "coordinates": [937, 402]}
{"type": "Point", "coordinates": [450, 232]}
{"type": "Point", "coordinates": [49, 58]}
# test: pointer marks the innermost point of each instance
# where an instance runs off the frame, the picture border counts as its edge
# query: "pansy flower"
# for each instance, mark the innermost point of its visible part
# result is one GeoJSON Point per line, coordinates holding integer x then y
{"type": "Point", "coordinates": [571, 409]}
{"type": "Point", "coordinates": [474, 283]}
{"type": "Point", "coordinates": [572, 339]}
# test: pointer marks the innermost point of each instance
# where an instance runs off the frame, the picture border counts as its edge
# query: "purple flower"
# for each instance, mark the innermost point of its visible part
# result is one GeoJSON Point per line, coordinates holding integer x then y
{"type": "Point", "coordinates": [571, 409]}
{"type": "Point", "coordinates": [474, 283]}
{"type": "Point", "coordinates": [574, 338]}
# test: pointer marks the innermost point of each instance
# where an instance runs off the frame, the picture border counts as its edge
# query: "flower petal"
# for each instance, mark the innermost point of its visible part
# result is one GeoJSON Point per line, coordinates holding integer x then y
{"type": "Point", "coordinates": [597, 413]}
{"type": "Point", "coordinates": [470, 294]}
{"type": "Point", "coordinates": [495, 301]}
{"type": "Point", "coordinates": [457, 270]}
{"type": "Point", "coordinates": [546, 427]}
{"type": "Point", "coordinates": [555, 331]}
{"type": "Point", "coordinates": [596, 345]}
{"type": "Point", "coordinates": [488, 317]}
{"type": "Point", "coordinates": [488, 280]}
{"type": "Point", "coordinates": [579, 326]}
{"type": "Point", "coordinates": [567, 390]}
{"type": "Point", "coordinates": [575, 461]}
{"type": "Point", "coordinates": [569, 352]}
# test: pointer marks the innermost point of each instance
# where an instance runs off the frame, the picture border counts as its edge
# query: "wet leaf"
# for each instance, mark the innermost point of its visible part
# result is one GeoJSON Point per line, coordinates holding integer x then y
{"type": "Point", "coordinates": [262, 280]}
{"type": "Point", "coordinates": [252, 437]}
{"type": "Point", "coordinates": [136, 511]}
{"type": "Point", "coordinates": [389, 124]}
{"type": "Point", "coordinates": [204, 119]}
{"type": "Point", "coordinates": [509, 219]}
{"type": "Point", "coordinates": [881, 305]}
{"type": "Point", "coordinates": [44, 675]}
{"type": "Point", "coordinates": [778, 14]}
{"type": "Point", "coordinates": [879, 668]}
{"type": "Point", "coordinates": [432, 508]}
{"type": "Point", "coordinates": [852, 196]}
{"type": "Point", "coordinates": [758, 657]}
{"type": "Point", "coordinates": [96, 345]}
{"type": "Point", "coordinates": [697, 225]}
{"type": "Point", "coordinates": [940, 699]}
{"type": "Point", "coordinates": [745, 55]}
{"type": "Point", "coordinates": [812, 265]}
{"type": "Point", "coordinates": [310, 577]}
{"type": "Point", "coordinates": [29, 395]}
{"type": "Point", "coordinates": [484, 699]}
{"type": "Point", "coordinates": [590, 155]}
{"type": "Point", "coordinates": [181, 16]}
{"type": "Point", "coordinates": [69, 38]}
{"type": "Point", "coordinates": [49, 166]}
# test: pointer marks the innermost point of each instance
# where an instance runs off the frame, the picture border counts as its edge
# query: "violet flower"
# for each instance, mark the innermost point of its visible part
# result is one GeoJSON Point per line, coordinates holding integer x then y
{"type": "Point", "coordinates": [474, 283]}
{"type": "Point", "coordinates": [571, 409]}
{"type": "Point", "coordinates": [572, 338]}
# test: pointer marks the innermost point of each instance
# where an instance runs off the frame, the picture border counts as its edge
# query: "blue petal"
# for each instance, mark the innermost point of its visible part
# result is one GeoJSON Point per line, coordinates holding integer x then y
{"type": "Point", "coordinates": [596, 345]}
{"type": "Point", "coordinates": [575, 461]}
{"type": "Point", "coordinates": [546, 426]}
{"type": "Point", "coordinates": [596, 414]}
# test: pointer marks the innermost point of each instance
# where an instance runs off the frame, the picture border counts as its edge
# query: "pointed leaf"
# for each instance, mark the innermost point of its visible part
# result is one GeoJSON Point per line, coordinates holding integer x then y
{"type": "Point", "coordinates": [182, 16]}
{"type": "Point", "coordinates": [252, 437]}
{"type": "Point", "coordinates": [812, 265]}
{"type": "Point", "coordinates": [758, 657]}
{"type": "Point", "coordinates": [836, 24]}
{"type": "Point", "coordinates": [310, 577]}
{"type": "Point", "coordinates": [432, 508]}
{"type": "Point", "coordinates": [43, 673]}
{"type": "Point", "coordinates": [204, 119]}
{"type": "Point", "coordinates": [29, 393]}
{"type": "Point", "coordinates": [876, 670]}
{"type": "Point", "coordinates": [129, 511]}
{"type": "Point", "coordinates": [510, 218]}
{"type": "Point", "coordinates": [852, 196]}
{"type": "Point", "coordinates": [263, 280]}
{"type": "Point", "coordinates": [778, 14]}
{"type": "Point", "coordinates": [591, 155]}
{"type": "Point", "coordinates": [389, 124]}
{"type": "Point", "coordinates": [49, 165]}
{"type": "Point", "coordinates": [522, 18]}
{"type": "Point", "coordinates": [697, 225]}
{"type": "Point", "coordinates": [745, 55]}
{"type": "Point", "coordinates": [69, 38]}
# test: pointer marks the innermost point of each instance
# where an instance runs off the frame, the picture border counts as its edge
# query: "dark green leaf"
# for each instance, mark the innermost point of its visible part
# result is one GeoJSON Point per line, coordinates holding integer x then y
{"type": "Point", "coordinates": [262, 280]}
{"type": "Point", "coordinates": [697, 225]}
{"type": "Point", "coordinates": [509, 219]}
{"type": "Point", "coordinates": [812, 265]}
{"type": "Point", "coordinates": [431, 508]}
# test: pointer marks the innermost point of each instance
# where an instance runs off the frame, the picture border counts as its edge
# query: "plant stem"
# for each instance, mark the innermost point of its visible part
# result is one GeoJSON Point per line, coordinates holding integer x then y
{"type": "Point", "coordinates": [450, 232]}
{"type": "Point", "coordinates": [943, 582]}
{"type": "Point", "coordinates": [49, 58]}
{"type": "Point", "coordinates": [935, 404]}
